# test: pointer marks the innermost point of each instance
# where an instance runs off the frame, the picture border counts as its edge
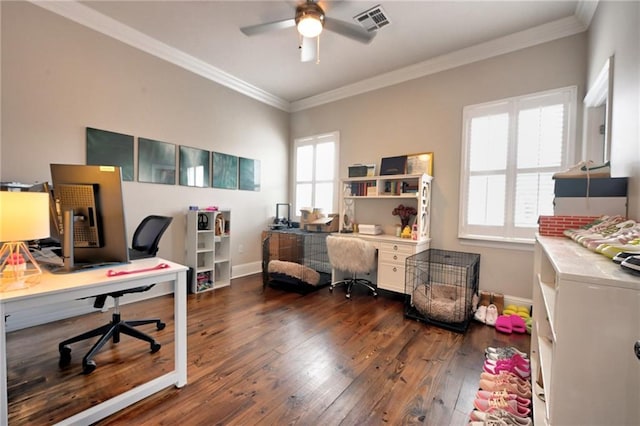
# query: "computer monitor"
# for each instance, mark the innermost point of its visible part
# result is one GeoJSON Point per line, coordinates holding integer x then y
{"type": "Point", "coordinates": [90, 201]}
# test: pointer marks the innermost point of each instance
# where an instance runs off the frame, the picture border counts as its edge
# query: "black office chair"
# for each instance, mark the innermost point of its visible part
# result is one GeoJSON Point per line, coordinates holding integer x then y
{"type": "Point", "coordinates": [145, 244]}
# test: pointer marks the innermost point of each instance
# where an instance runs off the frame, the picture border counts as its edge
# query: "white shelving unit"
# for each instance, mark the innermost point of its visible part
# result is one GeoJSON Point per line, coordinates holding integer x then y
{"type": "Point", "coordinates": [411, 190]}
{"type": "Point", "coordinates": [208, 249]}
{"type": "Point", "coordinates": [371, 200]}
{"type": "Point", "coordinates": [586, 313]}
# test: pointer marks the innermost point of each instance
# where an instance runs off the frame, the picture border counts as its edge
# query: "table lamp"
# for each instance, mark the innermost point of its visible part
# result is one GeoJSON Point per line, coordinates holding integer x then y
{"type": "Point", "coordinates": [24, 216]}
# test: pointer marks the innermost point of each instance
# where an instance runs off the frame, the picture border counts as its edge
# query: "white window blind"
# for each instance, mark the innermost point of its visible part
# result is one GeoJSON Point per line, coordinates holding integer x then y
{"type": "Point", "coordinates": [316, 159]}
{"type": "Point", "coordinates": [510, 150]}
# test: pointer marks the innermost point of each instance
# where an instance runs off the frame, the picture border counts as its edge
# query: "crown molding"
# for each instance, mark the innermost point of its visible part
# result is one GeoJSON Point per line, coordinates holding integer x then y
{"type": "Point", "coordinates": [96, 21]}
{"type": "Point", "coordinates": [585, 9]}
{"type": "Point", "coordinates": [541, 34]}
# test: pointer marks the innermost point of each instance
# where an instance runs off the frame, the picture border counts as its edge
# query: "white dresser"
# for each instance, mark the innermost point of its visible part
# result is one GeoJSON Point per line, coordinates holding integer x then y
{"type": "Point", "coordinates": [586, 312]}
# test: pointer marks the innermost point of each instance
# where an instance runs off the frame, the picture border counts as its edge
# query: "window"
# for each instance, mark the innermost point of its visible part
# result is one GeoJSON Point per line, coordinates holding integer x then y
{"type": "Point", "coordinates": [316, 160]}
{"type": "Point", "coordinates": [510, 150]}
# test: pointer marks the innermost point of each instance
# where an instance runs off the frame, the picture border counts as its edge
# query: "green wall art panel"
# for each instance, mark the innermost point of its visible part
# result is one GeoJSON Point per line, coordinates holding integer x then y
{"type": "Point", "coordinates": [156, 161]}
{"type": "Point", "coordinates": [225, 171]}
{"type": "Point", "coordinates": [194, 167]}
{"type": "Point", "coordinates": [105, 148]}
{"type": "Point", "coordinates": [249, 179]}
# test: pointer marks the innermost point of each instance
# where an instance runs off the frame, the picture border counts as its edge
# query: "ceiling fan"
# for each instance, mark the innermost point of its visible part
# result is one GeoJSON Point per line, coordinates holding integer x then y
{"type": "Point", "coordinates": [310, 20]}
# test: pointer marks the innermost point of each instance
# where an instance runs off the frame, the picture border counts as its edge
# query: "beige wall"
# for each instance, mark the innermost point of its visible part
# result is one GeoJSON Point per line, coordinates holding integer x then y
{"type": "Point", "coordinates": [59, 77]}
{"type": "Point", "coordinates": [615, 30]}
{"type": "Point", "coordinates": [426, 115]}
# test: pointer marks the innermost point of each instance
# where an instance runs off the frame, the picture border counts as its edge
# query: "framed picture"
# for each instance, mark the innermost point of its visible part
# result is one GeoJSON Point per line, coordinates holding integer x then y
{"type": "Point", "coordinates": [225, 171]}
{"type": "Point", "coordinates": [194, 167]}
{"type": "Point", "coordinates": [249, 178]}
{"type": "Point", "coordinates": [156, 162]}
{"type": "Point", "coordinates": [420, 163]}
{"type": "Point", "coordinates": [106, 148]}
{"type": "Point", "coordinates": [393, 165]}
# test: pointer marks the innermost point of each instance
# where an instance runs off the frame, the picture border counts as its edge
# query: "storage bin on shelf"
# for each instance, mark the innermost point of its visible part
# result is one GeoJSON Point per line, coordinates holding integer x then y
{"type": "Point", "coordinates": [439, 287]}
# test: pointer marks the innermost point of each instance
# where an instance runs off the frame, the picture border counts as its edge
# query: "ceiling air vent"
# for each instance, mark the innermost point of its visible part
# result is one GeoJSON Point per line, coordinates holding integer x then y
{"type": "Point", "coordinates": [372, 19]}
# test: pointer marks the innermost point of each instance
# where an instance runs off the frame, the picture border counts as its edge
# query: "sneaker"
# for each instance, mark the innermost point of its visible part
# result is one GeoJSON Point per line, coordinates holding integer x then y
{"type": "Point", "coordinates": [505, 385]}
{"type": "Point", "coordinates": [509, 406]}
{"type": "Point", "coordinates": [515, 365]}
{"type": "Point", "coordinates": [523, 402]}
{"type": "Point", "coordinates": [511, 419]}
{"type": "Point", "coordinates": [585, 169]}
{"type": "Point", "coordinates": [502, 352]}
{"type": "Point", "coordinates": [631, 264]}
{"type": "Point", "coordinates": [489, 421]}
{"type": "Point", "coordinates": [507, 376]}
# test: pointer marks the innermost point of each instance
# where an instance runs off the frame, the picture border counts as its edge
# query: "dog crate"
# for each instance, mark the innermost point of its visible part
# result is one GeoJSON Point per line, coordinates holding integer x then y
{"type": "Point", "coordinates": [439, 287]}
{"type": "Point", "coordinates": [295, 260]}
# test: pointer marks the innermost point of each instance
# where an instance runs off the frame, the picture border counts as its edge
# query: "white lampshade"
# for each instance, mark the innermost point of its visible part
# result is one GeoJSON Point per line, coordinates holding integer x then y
{"type": "Point", "coordinates": [24, 216]}
{"type": "Point", "coordinates": [310, 26]}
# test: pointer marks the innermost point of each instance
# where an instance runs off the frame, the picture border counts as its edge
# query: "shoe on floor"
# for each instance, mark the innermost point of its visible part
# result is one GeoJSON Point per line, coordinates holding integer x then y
{"type": "Point", "coordinates": [481, 314]}
{"type": "Point", "coordinates": [503, 352]}
{"type": "Point", "coordinates": [503, 324]}
{"type": "Point", "coordinates": [492, 315]}
{"type": "Point", "coordinates": [509, 406]}
{"type": "Point", "coordinates": [511, 419]}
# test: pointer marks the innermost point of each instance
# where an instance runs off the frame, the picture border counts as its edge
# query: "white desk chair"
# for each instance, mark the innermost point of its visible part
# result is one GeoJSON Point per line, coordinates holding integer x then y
{"type": "Point", "coordinates": [352, 255]}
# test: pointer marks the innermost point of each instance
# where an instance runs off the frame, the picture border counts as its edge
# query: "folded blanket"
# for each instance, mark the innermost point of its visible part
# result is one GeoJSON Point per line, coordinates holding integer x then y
{"type": "Point", "coordinates": [295, 270]}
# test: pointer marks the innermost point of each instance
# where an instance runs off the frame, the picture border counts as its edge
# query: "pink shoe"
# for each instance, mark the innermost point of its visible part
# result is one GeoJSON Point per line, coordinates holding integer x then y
{"type": "Point", "coordinates": [517, 324]}
{"type": "Point", "coordinates": [509, 406]}
{"type": "Point", "coordinates": [505, 385]}
{"type": "Point", "coordinates": [503, 324]}
{"type": "Point", "coordinates": [523, 402]}
{"type": "Point", "coordinates": [520, 369]}
{"type": "Point", "coordinates": [508, 418]}
{"type": "Point", "coordinates": [506, 376]}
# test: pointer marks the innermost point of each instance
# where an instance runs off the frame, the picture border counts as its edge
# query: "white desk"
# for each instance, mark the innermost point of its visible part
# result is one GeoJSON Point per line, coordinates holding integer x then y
{"type": "Point", "coordinates": [50, 288]}
{"type": "Point", "coordinates": [392, 253]}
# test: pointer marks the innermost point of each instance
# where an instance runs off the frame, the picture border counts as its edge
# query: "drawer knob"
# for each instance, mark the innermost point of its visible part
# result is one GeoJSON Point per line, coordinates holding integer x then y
{"type": "Point", "coordinates": [395, 257]}
{"type": "Point", "coordinates": [395, 269]}
{"type": "Point", "coordinates": [395, 247]}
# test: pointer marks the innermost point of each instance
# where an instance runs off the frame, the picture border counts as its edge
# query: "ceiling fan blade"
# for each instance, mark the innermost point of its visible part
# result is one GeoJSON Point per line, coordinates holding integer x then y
{"type": "Point", "coordinates": [308, 49]}
{"type": "Point", "coordinates": [270, 26]}
{"type": "Point", "coordinates": [349, 30]}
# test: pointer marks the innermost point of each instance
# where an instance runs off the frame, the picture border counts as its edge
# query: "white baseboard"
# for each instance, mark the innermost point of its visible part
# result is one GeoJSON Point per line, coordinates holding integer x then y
{"type": "Point", "coordinates": [238, 271]}
{"type": "Point", "coordinates": [518, 301]}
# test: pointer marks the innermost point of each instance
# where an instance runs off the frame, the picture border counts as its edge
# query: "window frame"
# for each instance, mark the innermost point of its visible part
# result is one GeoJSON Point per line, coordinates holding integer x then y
{"type": "Point", "coordinates": [315, 140]}
{"type": "Point", "coordinates": [509, 233]}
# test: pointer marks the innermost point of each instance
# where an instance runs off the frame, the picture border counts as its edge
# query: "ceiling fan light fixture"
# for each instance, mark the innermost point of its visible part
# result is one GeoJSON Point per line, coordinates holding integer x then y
{"type": "Point", "coordinates": [310, 26]}
{"type": "Point", "coordinates": [309, 19]}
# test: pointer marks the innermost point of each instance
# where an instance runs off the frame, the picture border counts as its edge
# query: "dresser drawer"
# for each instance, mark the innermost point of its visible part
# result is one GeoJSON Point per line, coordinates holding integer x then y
{"type": "Point", "coordinates": [395, 258]}
{"type": "Point", "coordinates": [407, 249]}
{"type": "Point", "coordinates": [391, 277]}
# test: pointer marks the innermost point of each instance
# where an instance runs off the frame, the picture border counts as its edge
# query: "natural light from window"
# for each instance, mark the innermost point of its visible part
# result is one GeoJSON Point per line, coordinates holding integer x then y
{"type": "Point", "coordinates": [511, 149]}
{"type": "Point", "coordinates": [316, 169]}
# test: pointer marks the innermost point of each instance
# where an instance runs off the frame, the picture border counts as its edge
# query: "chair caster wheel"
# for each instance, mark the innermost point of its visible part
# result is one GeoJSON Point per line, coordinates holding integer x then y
{"type": "Point", "coordinates": [331, 289]}
{"type": "Point", "coordinates": [65, 356]}
{"type": "Point", "coordinates": [348, 296]}
{"type": "Point", "coordinates": [155, 347]}
{"type": "Point", "coordinates": [375, 294]}
{"type": "Point", "coordinates": [161, 326]}
{"type": "Point", "coordinates": [88, 366]}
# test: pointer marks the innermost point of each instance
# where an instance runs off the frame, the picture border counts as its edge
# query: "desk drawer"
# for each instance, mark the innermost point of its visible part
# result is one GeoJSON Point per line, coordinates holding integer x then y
{"type": "Point", "coordinates": [406, 249]}
{"type": "Point", "coordinates": [395, 258]}
{"type": "Point", "coordinates": [391, 277]}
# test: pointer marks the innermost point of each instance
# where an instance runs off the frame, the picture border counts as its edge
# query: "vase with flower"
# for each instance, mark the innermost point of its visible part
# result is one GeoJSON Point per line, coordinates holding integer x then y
{"type": "Point", "coordinates": [405, 213]}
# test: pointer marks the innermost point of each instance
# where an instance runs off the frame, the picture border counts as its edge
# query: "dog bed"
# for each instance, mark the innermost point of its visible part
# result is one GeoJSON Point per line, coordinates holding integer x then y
{"type": "Point", "coordinates": [293, 276]}
{"type": "Point", "coordinates": [440, 302]}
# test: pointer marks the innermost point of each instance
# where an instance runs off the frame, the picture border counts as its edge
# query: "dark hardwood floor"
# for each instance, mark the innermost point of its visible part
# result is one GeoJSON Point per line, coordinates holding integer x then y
{"type": "Point", "coordinates": [257, 357]}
